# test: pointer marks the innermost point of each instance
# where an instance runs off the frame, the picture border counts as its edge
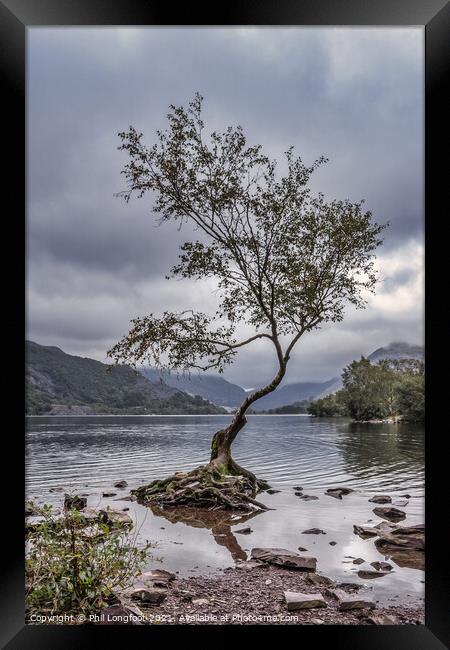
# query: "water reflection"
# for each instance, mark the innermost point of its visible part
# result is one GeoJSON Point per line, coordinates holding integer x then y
{"type": "Point", "coordinates": [217, 521]}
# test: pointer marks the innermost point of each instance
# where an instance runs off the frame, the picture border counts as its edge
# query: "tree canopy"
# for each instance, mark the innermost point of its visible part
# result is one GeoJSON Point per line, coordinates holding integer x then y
{"type": "Point", "coordinates": [284, 261]}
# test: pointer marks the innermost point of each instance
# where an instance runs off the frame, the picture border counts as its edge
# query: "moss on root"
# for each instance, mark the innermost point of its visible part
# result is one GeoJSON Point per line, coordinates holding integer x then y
{"type": "Point", "coordinates": [208, 486]}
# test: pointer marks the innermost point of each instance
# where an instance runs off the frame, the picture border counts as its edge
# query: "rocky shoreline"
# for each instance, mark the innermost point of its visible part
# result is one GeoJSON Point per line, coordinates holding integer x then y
{"type": "Point", "coordinates": [254, 593]}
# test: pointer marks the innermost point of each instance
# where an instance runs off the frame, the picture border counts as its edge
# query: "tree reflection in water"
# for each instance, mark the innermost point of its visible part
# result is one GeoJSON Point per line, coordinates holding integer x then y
{"type": "Point", "coordinates": [219, 522]}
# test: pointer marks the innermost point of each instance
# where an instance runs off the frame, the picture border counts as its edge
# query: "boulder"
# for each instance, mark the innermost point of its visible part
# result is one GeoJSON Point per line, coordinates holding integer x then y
{"type": "Point", "coordinates": [382, 619]}
{"type": "Point", "coordinates": [121, 484]}
{"type": "Point", "coordinates": [148, 594]}
{"type": "Point", "coordinates": [115, 518]}
{"type": "Point", "coordinates": [338, 492]}
{"type": "Point", "coordinates": [313, 531]}
{"type": "Point", "coordinates": [74, 502]}
{"type": "Point", "coordinates": [284, 558]}
{"type": "Point", "coordinates": [381, 498]}
{"type": "Point", "coordinates": [405, 545]}
{"type": "Point", "coordinates": [390, 513]}
{"type": "Point", "coordinates": [348, 601]}
{"type": "Point", "coordinates": [249, 564]}
{"type": "Point", "coordinates": [295, 600]}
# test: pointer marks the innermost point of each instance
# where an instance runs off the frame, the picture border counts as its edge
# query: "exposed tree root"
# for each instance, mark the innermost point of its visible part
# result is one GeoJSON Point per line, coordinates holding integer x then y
{"type": "Point", "coordinates": [208, 486]}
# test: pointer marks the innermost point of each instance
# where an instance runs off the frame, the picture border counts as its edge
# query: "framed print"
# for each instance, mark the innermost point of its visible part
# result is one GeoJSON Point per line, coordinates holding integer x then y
{"type": "Point", "coordinates": [231, 246]}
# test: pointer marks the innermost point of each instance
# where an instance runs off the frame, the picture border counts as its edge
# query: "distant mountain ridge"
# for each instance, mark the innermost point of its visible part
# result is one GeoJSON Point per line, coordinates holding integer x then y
{"type": "Point", "coordinates": [60, 383]}
{"type": "Point", "coordinates": [211, 387]}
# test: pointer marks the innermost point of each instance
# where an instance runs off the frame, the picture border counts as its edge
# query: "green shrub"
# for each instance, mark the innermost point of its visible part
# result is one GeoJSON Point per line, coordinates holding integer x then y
{"type": "Point", "coordinates": [73, 564]}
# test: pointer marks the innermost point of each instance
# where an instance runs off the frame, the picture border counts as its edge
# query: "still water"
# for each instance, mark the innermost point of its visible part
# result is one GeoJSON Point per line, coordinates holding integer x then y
{"type": "Point", "coordinates": [88, 454]}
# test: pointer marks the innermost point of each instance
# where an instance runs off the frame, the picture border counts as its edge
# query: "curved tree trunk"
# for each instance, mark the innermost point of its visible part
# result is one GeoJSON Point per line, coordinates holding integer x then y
{"type": "Point", "coordinates": [224, 438]}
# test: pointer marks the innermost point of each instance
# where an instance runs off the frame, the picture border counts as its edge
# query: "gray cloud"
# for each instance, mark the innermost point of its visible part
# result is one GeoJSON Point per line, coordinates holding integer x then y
{"type": "Point", "coordinates": [94, 262]}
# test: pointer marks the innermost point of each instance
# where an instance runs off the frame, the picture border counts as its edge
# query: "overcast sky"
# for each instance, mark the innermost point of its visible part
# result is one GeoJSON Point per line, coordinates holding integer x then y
{"type": "Point", "coordinates": [94, 262]}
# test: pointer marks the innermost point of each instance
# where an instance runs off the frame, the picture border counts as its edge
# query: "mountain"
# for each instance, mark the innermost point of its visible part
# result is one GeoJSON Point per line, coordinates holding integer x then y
{"type": "Point", "coordinates": [210, 387]}
{"type": "Point", "coordinates": [398, 351]}
{"type": "Point", "coordinates": [291, 393]}
{"type": "Point", "coordinates": [60, 383]}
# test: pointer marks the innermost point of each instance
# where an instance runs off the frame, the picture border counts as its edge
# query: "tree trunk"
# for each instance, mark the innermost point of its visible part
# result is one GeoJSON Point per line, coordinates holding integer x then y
{"type": "Point", "coordinates": [224, 438]}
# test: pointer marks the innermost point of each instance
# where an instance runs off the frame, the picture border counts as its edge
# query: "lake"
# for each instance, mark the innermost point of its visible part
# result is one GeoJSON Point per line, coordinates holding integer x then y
{"type": "Point", "coordinates": [88, 454]}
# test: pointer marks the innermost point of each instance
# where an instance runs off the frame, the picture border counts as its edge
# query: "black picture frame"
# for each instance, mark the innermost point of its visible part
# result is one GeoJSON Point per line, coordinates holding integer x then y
{"type": "Point", "coordinates": [18, 15]}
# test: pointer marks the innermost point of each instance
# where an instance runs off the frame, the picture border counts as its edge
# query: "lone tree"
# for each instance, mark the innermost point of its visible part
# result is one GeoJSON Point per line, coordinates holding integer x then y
{"type": "Point", "coordinates": [285, 261]}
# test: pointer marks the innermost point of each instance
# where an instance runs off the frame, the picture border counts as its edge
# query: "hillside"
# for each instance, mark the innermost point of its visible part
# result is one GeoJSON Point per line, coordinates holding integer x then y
{"type": "Point", "coordinates": [60, 383]}
{"type": "Point", "coordinates": [210, 387]}
{"type": "Point", "coordinates": [292, 393]}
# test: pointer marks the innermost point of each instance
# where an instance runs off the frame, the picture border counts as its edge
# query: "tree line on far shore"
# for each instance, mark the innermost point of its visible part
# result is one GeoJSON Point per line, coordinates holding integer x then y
{"type": "Point", "coordinates": [387, 389]}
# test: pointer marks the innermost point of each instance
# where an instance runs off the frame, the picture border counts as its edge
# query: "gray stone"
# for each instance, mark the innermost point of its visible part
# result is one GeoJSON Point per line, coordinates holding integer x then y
{"type": "Point", "coordinates": [332, 543]}
{"type": "Point", "coordinates": [295, 600]}
{"type": "Point", "coordinates": [120, 484]}
{"type": "Point", "coordinates": [250, 564]}
{"type": "Point", "coordinates": [381, 566]}
{"type": "Point", "coordinates": [381, 498]}
{"type": "Point", "coordinates": [148, 595]}
{"type": "Point", "coordinates": [390, 513]}
{"type": "Point", "coordinates": [284, 558]}
{"type": "Point", "coordinates": [271, 491]}
{"type": "Point", "coordinates": [200, 601]}
{"type": "Point", "coordinates": [308, 497]}
{"type": "Point", "coordinates": [359, 560]}
{"type": "Point", "coordinates": [365, 531]}
{"type": "Point", "coordinates": [317, 579]}
{"type": "Point", "coordinates": [109, 494]}
{"type": "Point", "coordinates": [338, 492]}
{"type": "Point", "coordinates": [157, 578]}
{"type": "Point", "coordinates": [382, 619]}
{"type": "Point", "coordinates": [405, 545]}
{"type": "Point", "coordinates": [348, 601]}
{"type": "Point", "coordinates": [313, 531]}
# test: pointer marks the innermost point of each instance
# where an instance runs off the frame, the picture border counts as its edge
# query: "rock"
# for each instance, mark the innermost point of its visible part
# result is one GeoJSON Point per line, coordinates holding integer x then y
{"type": "Point", "coordinates": [157, 578]}
{"type": "Point", "coordinates": [364, 531]}
{"type": "Point", "coordinates": [390, 513]}
{"type": "Point", "coordinates": [348, 602]}
{"type": "Point", "coordinates": [381, 566]}
{"type": "Point", "coordinates": [200, 601]}
{"type": "Point", "coordinates": [369, 575]}
{"type": "Point", "coordinates": [295, 600]}
{"type": "Point", "coordinates": [148, 595]}
{"type": "Point", "coordinates": [302, 548]}
{"type": "Point", "coordinates": [381, 498]}
{"type": "Point", "coordinates": [359, 560]}
{"type": "Point", "coordinates": [74, 502]}
{"type": "Point", "coordinates": [298, 494]}
{"type": "Point", "coordinates": [338, 492]}
{"type": "Point", "coordinates": [284, 558]}
{"type": "Point", "coordinates": [119, 615]}
{"type": "Point", "coordinates": [298, 487]}
{"type": "Point", "coordinates": [125, 509]}
{"type": "Point", "coordinates": [120, 484]}
{"type": "Point", "coordinates": [308, 497]}
{"type": "Point", "coordinates": [332, 543]}
{"type": "Point", "coordinates": [56, 489]}
{"type": "Point", "coordinates": [271, 491]}
{"type": "Point", "coordinates": [405, 545]}
{"type": "Point", "coordinates": [109, 494]}
{"type": "Point", "coordinates": [244, 531]}
{"type": "Point", "coordinates": [405, 496]}
{"type": "Point", "coordinates": [382, 619]}
{"type": "Point", "coordinates": [317, 579]}
{"type": "Point", "coordinates": [314, 531]}
{"type": "Point", "coordinates": [317, 621]}
{"type": "Point", "coordinates": [384, 527]}
{"type": "Point", "coordinates": [401, 504]}
{"type": "Point", "coordinates": [115, 518]}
